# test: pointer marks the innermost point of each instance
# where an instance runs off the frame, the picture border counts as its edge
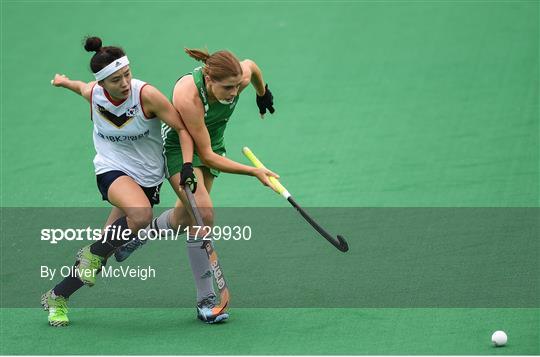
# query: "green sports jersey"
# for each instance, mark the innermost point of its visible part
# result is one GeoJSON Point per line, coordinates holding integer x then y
{"type": "Point", "coordinates": [216, 117]}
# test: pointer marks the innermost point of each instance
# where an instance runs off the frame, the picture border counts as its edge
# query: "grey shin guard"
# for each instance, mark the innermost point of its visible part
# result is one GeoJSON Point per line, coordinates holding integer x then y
{"type": "Point", "coordinates": [200, 267]}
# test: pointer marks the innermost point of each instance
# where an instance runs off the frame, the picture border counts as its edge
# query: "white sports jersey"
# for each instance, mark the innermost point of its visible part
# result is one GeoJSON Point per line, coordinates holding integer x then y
{"type": "Point", "coordinates": [125, 139]}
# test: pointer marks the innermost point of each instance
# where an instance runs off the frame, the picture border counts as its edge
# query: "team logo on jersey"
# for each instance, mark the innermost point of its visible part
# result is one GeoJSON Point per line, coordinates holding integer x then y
{"type": "Point", "coordinates": [118, 121]}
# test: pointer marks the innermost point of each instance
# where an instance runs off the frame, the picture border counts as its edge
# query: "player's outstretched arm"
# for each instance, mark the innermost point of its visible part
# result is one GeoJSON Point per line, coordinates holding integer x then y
{"type": "Point", "coordinates": [81, 88]}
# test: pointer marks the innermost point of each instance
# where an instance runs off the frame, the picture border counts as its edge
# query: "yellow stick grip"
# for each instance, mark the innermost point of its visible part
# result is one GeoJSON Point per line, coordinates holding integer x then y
{"type": "Point", "coordinates": [257, 163]}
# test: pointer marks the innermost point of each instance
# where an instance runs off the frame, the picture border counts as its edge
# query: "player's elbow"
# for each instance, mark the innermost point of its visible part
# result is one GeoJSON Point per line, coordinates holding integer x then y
{"type": "Point", "coordinates": [206, 158]}
{"type": "Point", "coordinates": [251, 64]}
{"type": "Point", "coordinates": [179, 130]}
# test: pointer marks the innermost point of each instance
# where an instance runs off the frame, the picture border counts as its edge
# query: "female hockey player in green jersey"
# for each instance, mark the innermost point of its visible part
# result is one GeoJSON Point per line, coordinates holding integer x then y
{"type": "Point", "coordinates": [206, 99]}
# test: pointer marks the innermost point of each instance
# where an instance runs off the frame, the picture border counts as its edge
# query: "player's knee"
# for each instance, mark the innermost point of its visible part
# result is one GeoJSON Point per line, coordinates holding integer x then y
{"type": "Point", "coordinates": [178, 217]}
{"type": "Point", "coordinates": [207, 215]}
{"type": "Point", "coordinates": [140, 218]}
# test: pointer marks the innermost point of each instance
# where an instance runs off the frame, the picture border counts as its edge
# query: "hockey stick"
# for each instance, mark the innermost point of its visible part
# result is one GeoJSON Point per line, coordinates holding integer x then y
{"type": "Point", "coordinates": [339, 242]}
{"type": "Point", "coordinates": [212, 257]}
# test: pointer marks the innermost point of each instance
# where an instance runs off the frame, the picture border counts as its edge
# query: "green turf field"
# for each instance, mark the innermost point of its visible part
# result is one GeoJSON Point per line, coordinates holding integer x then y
{"type": "Point", "coordinates": [289, 331]}
{"type": "Point", "coordinates": [410, 127]}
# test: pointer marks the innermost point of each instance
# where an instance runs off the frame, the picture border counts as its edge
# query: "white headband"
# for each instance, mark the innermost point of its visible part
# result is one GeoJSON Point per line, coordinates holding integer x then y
{"type": "Point", "coordinates": [111, 68]}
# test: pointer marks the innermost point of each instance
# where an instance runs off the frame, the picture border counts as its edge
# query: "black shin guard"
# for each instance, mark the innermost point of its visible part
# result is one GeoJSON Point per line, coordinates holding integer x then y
{"type": "Point", "coordinates": [112, 238]}
{"type": "Point", "coordinates": [68, 286]}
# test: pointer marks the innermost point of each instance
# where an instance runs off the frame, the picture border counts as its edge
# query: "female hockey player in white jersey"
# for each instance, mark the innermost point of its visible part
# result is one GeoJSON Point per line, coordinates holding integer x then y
{"type": "Point", "coordinates": [129, 163]}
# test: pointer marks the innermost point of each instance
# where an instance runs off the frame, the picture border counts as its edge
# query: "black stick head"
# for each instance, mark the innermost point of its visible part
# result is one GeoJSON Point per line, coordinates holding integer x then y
{"type": "Point", "coordinates": [343, 245]}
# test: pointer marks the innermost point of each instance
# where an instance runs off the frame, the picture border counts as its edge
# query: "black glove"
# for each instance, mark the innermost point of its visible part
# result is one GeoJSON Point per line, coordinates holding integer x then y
{"type": "Point", "coordinates": [266, 101]}
{"type": "Point", "coordinates": [187, 177]}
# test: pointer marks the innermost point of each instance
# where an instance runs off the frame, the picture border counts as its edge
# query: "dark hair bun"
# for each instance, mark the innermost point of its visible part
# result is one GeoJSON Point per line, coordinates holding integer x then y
{"type": "Point", "coordinates": [92, 44]}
